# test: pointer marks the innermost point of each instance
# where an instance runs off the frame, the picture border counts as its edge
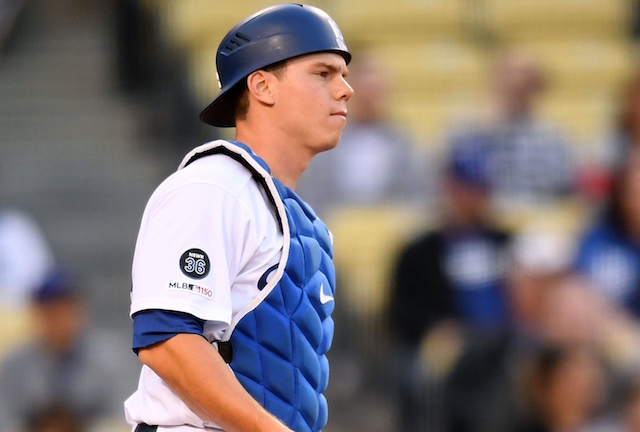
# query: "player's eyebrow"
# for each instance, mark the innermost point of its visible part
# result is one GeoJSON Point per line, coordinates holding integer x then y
{"type": "Point", "coordinates": [332, 67]}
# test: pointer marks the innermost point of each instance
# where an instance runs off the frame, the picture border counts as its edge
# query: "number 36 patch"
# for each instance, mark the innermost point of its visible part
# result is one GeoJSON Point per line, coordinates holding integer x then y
{"type": "Point", "coordinates": [195, 263]}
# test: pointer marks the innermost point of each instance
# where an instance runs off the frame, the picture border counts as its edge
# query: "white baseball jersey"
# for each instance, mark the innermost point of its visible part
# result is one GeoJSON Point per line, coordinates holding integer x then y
{"type": "Point", "coordinates": [208, 235]}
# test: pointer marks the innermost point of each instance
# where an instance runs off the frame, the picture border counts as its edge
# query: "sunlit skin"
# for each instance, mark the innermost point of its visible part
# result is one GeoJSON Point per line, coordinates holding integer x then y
{"type": "Point", "coordinates": [293, 118]}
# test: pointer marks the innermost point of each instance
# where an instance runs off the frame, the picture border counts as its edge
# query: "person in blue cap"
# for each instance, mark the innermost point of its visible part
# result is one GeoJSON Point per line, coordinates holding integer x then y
{"type": "Point", "coordinates": [67, 366]}
{"type": "Point", "coordinates": [232, 281]}
{"type": "Point", "coordinates": [448, 287]}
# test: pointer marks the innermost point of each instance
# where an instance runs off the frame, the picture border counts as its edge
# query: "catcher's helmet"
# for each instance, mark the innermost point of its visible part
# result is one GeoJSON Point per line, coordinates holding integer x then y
{"type": "Point", "coordinates": [269, 36]}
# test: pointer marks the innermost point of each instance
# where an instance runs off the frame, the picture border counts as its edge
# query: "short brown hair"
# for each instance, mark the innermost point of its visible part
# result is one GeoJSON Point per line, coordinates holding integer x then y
{"type": "Point", "coordinates": [241, 94]}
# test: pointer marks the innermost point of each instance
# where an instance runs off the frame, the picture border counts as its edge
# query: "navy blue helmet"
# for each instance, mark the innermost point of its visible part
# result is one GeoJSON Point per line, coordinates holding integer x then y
{"type": "Point", "coordinates": [267, 37]}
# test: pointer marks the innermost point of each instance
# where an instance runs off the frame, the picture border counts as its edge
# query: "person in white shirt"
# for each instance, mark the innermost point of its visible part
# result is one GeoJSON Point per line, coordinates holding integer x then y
{"type": "Point", "coordinates": [25, 259]}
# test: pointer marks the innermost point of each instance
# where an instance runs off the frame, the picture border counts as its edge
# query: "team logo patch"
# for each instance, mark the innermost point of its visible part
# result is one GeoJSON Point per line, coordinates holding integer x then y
{"type": "Point", "coordinates": [266, 277]}
{"type": "Point", "coordinates": [338, 34]}
{"type": "Point", "coordinates": [195, 263]}
{"type": "Point", "coordinates": [324, 298]}
{"type": "Point", "coordinates": [192, 288]}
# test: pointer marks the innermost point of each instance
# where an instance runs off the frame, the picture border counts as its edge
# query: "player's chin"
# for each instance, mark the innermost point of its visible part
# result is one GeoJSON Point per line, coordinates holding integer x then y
{"type": "Point", "coordinates": [337, 125]}
{"type": "Point", "coordinates": [334, 139]}
{"type": "Point", "coordinates": [328, 143]}
{"type": "Point", "coordinates": [331, 134]}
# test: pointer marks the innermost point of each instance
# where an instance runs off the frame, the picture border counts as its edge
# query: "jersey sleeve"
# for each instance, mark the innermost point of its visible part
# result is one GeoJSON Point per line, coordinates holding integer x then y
{"type": "Point", "coordinates": [152, 326]}
{"type": "Point", "coordinates": [189, 250]}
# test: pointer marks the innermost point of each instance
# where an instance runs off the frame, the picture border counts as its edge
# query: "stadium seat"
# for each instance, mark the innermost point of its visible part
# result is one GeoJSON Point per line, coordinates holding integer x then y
{"type": "Point", "coordinates": [434, 66]}
{"type": "Point", "coordinates": [566, 216]}
{"type": "Point", "coordinates": [585, 116]}
{"type": "Point", "coordinates": [404, 21]}
{"type": "Point", "coordinates": [431, 116]}
{"type": "Point", "coordinates": [549, 19]}
{"type": "Point", "coordinates": [582, 63]}
{"type": "Point", "coordinates": [14, 328]}
{"type": "Point", "coordinates": [202, 23]}
{"type": "Point", "coordinates": [366, 241]}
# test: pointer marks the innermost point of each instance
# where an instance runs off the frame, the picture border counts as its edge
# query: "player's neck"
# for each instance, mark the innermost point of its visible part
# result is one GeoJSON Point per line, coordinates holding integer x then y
{"type": "Point", "coordinates": [285, 157]}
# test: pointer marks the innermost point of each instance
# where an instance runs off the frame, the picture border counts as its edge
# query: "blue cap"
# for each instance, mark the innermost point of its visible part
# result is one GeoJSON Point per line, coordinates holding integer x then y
{"type": "Point", "coordinates": [58, 284]}
{"type": "Point", "coordinates": [469, 161]}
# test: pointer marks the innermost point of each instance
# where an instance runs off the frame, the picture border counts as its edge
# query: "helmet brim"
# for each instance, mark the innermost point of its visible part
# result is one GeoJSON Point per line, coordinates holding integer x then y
{"type": "Point", "coordinates": [221, 112]}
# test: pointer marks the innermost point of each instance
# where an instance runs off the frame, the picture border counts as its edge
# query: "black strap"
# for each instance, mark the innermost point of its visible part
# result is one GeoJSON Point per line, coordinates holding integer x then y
{"type": "Point", "coordinates": [146, 428]}
{"type": "Point", "coordinates": [238, 158]}
{"type": "Point", "coordinates": [225, 349]}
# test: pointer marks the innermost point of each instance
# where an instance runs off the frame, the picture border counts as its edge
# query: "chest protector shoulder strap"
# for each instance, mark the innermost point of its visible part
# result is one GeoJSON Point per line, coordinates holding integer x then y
{"type": "Point", "coordinates": [280, 340]}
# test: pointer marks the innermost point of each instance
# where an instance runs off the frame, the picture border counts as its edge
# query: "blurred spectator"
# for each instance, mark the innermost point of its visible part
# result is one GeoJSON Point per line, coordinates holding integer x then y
{"type": "Point", "coordinates": [529, 164]}
{"type": "Point", "coordinates": [541, 261]}
{"type": "Point", "coordinates": [65, 364]}
{"type": "Point", "coordinates": [448, 283]}
{"type": "Point", "coordinates": [484, 390]}
{"type": "Point", "coordinates": [566, 389]}
{"type": "Point", "coordinates": [574, 314]}
{"type": "Point", "coordinates": [628, 131]}
{"type": "Point", "coordinates": [25, 258]}
{"type": "Point", "coordinates": [597, 179]}
{"type": "Point", "coordinates": [457, 271]}
{"type": "Point", "coordinates": [374, 163]}
{"type": "Point", "coordinates": [609, 253]}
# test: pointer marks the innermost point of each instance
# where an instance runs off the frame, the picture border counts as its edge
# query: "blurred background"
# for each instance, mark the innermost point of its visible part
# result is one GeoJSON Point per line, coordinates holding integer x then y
{"type": "Point", "coordinates": [484, 200]}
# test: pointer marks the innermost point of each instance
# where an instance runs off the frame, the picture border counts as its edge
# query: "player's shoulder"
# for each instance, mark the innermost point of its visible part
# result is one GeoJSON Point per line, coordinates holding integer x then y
{"type": "Point", "coordinates": [213, 171]}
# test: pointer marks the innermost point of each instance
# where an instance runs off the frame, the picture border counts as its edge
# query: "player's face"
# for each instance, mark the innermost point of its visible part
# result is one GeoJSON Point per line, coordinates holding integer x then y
{"type": "Point", "coordinates": [311, 100]}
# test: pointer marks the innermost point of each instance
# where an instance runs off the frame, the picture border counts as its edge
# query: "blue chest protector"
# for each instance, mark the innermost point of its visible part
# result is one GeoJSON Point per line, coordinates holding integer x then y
{"type": "Point", "coordinates": [279, 342]}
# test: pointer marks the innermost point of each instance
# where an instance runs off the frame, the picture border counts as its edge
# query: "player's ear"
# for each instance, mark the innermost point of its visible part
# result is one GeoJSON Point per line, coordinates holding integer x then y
{"type": "Point", "coordinates": [260, 87]}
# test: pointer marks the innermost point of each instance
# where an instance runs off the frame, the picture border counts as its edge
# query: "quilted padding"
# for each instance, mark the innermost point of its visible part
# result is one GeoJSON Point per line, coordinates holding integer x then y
{"type": "Point", "coordinates": [280, 346]}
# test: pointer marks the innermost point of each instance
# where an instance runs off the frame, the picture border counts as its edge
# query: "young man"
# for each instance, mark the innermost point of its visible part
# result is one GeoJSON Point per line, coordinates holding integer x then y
{"type": "Point", "coordinates": [233, 280]}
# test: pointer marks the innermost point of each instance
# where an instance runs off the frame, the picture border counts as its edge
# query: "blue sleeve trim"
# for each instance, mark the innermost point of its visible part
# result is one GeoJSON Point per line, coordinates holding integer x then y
{"type": "Point", "coordinates": [155, 325]}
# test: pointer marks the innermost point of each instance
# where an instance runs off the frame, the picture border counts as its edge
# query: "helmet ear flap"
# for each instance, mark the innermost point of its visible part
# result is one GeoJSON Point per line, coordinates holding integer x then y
{"type": "Point", "coordinates": [267, 37]}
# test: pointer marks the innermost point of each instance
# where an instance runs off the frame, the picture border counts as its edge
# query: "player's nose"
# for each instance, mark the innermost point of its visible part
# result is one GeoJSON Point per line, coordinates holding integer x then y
{"type": "Point", "coordinates": [345, 91]}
